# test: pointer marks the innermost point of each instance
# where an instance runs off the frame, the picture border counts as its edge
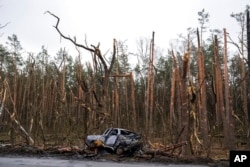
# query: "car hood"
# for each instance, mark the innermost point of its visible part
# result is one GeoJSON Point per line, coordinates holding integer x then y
{"type": "Point", "coordinates": [91, 138]}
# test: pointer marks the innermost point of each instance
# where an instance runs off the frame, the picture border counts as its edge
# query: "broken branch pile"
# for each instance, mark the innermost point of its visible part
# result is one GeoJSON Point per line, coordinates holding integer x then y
{"type": "Point", "coordinates": [163, 150]}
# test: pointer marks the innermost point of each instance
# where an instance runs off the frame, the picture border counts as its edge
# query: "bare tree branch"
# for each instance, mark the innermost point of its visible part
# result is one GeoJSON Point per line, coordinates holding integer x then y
{"type": "Point", "coordinates": [4, 25]}
{"type": "Point", "coordinates": [113, 56]}
{"type": "Point", "coordinates": [68, 38]}
{"type": "Point", "coordinates": [96, 49]}
{"type": "Point", "coordinates": [235, 44]}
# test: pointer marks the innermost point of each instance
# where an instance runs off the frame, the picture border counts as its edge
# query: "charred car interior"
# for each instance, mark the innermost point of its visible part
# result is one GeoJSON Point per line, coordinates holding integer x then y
{"type": "Point", "coordinates": [116, 140]}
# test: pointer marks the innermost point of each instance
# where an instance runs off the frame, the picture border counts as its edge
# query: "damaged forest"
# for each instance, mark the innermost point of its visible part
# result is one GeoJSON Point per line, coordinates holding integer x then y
{"type": "Point", "coordinates": [194, 101]}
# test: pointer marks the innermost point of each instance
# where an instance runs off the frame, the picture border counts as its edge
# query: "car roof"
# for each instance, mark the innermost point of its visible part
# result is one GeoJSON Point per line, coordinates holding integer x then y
{"type": "Point", "coordinates": [122, 129]}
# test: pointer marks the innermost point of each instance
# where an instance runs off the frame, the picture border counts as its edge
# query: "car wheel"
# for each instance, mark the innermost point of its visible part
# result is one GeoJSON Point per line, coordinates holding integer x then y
{"type": "Point", "coordinates": [119, 150]}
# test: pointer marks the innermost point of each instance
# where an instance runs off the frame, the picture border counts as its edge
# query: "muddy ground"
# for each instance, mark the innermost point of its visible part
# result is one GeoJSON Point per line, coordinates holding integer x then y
{"type": "Point", "coordinates": [78, 153]}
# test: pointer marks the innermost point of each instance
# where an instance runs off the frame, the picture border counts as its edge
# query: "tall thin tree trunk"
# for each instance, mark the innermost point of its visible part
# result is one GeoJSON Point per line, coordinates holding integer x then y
{"type": "Point", "coordinates": [184, 128]}
{"type": "Point", "coordinates": [15, 81]}
{"type": "Point", "coordinates": [244, 89]}
{"type": "Point", "coordinates": [172, 98]}
{"type": "Point", "coordinates": [219, 93]}
{"type": "Point", "coordinates": [215, 86]}
{"type": "Point", "coordinates": [202, 93]}
{"type": "Point", "coordinates": [228, 108]}
{"type": "Point", "coordinates": [248, 41]}
{"type": "Point", "coordinates": [151, 106]}
{"type": "Point", "coordinates": [150, 91]}
{"type": "Point", "coordinates": [116, 100]}
{"type": "Point", "coordinates": [243, 78]}
{"type": "Point", "coordinates": [126, 104]}
{"type": "Point", "coordinates": [248, 54]}
{"type": "Point", "coordinates": [134, 116]}
{"type": "Point", "coordinates": [186, 151]}
{"type": "Point", "coordinates": [177, 93]}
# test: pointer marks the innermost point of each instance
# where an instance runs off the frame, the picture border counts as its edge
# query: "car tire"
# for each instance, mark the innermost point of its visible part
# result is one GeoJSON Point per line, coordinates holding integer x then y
{"type": "Point", "coordinates": [119, 150]}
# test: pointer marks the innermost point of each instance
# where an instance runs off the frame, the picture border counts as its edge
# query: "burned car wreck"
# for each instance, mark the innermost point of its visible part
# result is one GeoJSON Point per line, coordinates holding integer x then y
{"type": "Point", "coordinates": [116, 140]}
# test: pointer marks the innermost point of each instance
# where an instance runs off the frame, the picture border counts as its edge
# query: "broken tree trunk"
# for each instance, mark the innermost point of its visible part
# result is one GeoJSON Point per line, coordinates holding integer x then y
{"type": "Point", "coordinates": [202, 96]}
{"type": "Point", "coordinates": [13, 119]}
{"type": "Point", "coordinates": [103, 100]}
{"type": "Point", "coordinates": [182, 99]}
{"type": "Point", "coordinates": [149, 102]}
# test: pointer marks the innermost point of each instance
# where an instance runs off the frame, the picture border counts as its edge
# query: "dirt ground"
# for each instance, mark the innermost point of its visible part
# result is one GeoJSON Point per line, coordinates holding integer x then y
{"type": "Point", "coordinates": [217, 155]}
{"type": "Point", "coordinates": [78, 153]}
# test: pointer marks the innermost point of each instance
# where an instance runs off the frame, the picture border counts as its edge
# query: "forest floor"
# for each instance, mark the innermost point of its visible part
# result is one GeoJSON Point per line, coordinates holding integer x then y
{"type": "Point", "coordinates": [78, 153]}
{"type": "Point", "coordinates": [64, 149]}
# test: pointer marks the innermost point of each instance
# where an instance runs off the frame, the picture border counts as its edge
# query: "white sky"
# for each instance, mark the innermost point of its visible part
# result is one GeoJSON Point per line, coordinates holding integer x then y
{"type": "Point", "coordinates": [103, 20]}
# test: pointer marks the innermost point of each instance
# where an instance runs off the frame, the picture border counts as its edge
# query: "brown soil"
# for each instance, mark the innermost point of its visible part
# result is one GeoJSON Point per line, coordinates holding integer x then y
{"type": "Point", "coordinates": [75, 152]}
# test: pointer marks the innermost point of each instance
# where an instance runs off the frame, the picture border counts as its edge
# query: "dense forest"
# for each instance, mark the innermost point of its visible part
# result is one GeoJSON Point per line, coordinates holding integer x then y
{"type": "Point", "coordinates": [197, 93]}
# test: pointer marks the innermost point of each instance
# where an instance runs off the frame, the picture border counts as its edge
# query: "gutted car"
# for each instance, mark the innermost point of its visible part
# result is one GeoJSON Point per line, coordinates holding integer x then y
{"type": "Point", "coordinates": [116, 140]}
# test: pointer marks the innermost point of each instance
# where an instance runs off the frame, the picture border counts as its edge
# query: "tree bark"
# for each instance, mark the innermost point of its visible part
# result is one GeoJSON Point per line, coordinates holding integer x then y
{"type": "Point", "coordinates": [172, 98]}
{"type": "Point", "coordinates": [116, 97]}
{"type": "Point", "coordinates": [243, 77]}
{"type": "Point", "coordinates": [228, 108]}
{"type": "Point", "coordinates": [149, 106]}
{"type": "Point", "coordinates": [202, 99]}
{"type": "Point", "coordinates": [248, 54]}
{"type": "Point", "coordinates": [182, 100]}
{"type": "Point", "coordinates": [134, 117]}
{"type": "Point", "coordinates": [219, 93]}
{"type": "Point", "coordinates": [29, 140]}
{"type": "Point", "coordinates": [248, 40]}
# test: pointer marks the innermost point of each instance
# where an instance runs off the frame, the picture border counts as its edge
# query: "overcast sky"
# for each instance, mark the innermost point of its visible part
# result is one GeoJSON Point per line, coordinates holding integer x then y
{"type": "Point", "coordinates": [103, 20]}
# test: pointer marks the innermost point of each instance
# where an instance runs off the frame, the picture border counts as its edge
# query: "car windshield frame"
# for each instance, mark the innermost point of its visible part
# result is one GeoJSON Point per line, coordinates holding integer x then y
{"type": "Point", "coordinates": [107, 131]}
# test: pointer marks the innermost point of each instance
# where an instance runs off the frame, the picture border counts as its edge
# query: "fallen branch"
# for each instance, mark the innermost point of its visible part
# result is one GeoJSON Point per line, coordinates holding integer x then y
{"type": "Point", "coordinates": [153, 153]}
{"type": "Point", "coordinates": [159, 149]}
